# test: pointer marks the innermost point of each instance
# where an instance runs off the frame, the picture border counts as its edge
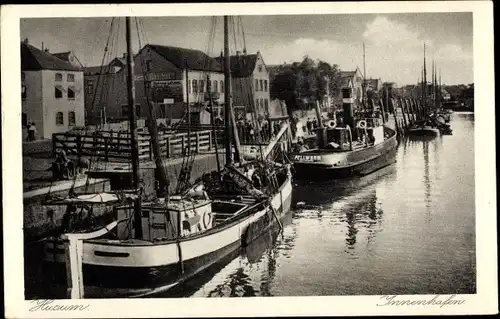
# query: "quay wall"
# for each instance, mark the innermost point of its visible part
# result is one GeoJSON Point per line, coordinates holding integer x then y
{"type": "Point", "coordinates": [39, 220]}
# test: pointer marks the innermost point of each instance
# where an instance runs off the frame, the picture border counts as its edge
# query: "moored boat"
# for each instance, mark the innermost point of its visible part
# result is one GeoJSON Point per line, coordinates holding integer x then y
{"type": "Point", "coordinates": [423, 128]}
{"type": "Point", "coordinates": [344, 156]}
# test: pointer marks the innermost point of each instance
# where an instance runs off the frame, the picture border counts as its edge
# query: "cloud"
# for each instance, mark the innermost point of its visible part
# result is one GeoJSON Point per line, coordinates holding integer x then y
{"type": "Point", "coordinates": [346, 55]}
{"type": "Point", "coordinates": [388, 32]}
{"type": "Point", "coordinates": [452, 51]}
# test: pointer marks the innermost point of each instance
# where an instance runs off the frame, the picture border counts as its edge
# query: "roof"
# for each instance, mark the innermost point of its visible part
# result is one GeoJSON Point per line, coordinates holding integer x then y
{"type": "Point", "coordinates": [94, 70]}
{"type": "Point", "coordinates": [347, 74]}
{"type": "Point", "coordinates": [241, 65]}
{"type": "Point", "coordinates": [33, 59]}
{"type": "Point", "coordinates": [192, 59]}
{"type": "Point", "coordinates": [62, 55]}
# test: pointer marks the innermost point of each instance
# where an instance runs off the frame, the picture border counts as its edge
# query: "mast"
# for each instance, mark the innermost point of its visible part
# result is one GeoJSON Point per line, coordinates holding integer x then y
{"type": "Point", "coordinates": [227, 94]}
{"type": "Point", "coordinates": [133, 129]}
{"type": "Point", "coordinates": [425, 81]}
{"type": "Point", "coordinates": [364, 79]}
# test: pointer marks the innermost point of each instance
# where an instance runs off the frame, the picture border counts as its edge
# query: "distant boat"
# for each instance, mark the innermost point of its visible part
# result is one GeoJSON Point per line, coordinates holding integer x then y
{"type": "Point", "coordinates": [424, 128]}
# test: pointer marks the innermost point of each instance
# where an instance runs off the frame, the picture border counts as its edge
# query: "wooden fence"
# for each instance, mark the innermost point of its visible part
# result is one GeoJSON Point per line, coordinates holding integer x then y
{"type": "Point", "coordinates": [117, 146]}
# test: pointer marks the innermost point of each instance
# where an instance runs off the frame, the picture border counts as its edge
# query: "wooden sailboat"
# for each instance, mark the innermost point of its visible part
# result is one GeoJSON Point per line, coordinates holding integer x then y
{"type": "Point", "coordinates": [348, 146]}
{"type": "Point", "coordinates": [154, 246]}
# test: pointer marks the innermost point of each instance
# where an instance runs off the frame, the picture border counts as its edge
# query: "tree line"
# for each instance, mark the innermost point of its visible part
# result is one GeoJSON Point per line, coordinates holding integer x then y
{"type": "Point", "coordinates": [302, 83]}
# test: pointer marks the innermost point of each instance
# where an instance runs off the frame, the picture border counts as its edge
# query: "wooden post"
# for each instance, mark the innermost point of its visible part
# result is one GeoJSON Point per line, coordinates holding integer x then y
{"type": "Point", "coordinates": [167, 146]}
{"type": "Point", "coordinates": [413, 110]}
{"type": "Point", "coordinates": [197, 141]}
{"type": "Point", "coordinates": [151, 149]}
{"type": "Point", "coordinates": [395, 116]}
{"type": "Point", "coordinates": [74, 274]}
{"type": "Point", "coordinates": [403, 114]}
{"type": "Point", "coordinates": [382, 108]}
{"type": "Point", "coordinates": [183, 143]}
{"type": "Point", "coordinates": [209, 140]}
{"type": "Point", "coordinates": [106, 147]}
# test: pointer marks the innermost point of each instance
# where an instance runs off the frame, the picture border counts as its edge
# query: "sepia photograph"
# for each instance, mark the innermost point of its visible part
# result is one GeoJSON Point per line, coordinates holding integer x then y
{"type": "Point", "coordinates": [171, 156]}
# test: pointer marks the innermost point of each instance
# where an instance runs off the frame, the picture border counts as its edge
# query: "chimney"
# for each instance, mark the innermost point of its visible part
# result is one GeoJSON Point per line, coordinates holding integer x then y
{"type": "Point", "coordinates": [124, 56]}
{"type": "Point", "coordinates": [46, 50]}
{"type": "Point", "coordinates": [238, 53]}
{"type": "Point", "coordinates": [26, 41]}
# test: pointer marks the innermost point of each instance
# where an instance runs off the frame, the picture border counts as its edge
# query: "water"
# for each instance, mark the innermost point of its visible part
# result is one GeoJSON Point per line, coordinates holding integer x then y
{"type": "Point", "coordinates": [406, 229]}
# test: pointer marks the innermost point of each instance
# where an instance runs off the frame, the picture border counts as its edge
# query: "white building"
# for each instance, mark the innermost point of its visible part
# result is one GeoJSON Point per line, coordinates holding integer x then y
{"type": "Point", "coordinates": [52, 92]}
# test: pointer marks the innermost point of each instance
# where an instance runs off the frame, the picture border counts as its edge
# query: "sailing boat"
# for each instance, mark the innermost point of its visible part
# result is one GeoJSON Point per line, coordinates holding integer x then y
{"type": "Point", "coordinates": [157, 245]}
{"type": "Point", "coordinates": [353, 145]}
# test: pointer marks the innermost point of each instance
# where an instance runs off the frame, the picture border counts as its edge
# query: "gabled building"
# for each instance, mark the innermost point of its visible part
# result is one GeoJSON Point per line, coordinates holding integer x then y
{"type": "Point", "coordinates": [69, 57]}
{"type": "Point", "coordinates": [52, 92]}
{"type": "Point", "coordinates": [250, 83]}
{"type": "Point", "coordinates": [353, 80]}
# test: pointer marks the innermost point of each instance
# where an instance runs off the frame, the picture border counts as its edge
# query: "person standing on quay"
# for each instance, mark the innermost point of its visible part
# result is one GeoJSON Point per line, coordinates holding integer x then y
{"type": "Point", "coordinates": [31, 131]}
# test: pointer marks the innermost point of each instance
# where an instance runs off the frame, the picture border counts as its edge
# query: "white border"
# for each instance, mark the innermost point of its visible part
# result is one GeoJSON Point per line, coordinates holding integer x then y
{"type": "Point", "coordinates": [484, 302]}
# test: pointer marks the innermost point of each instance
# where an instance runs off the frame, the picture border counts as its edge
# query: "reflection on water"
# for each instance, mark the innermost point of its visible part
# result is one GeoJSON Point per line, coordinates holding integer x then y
{"type": "Point", "coordinates": [405, 229]}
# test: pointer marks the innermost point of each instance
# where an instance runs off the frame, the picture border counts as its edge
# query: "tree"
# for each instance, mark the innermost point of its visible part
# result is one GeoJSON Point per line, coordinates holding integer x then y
{"type": "Point", "coordinates": [306, 80]}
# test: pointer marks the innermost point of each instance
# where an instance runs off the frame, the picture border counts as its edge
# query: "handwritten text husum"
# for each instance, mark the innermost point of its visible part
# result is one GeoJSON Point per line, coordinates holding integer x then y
{"type": "Point", "coordinates": [437, 300]}
{"type": "Point", "coordinates": [48, 305]}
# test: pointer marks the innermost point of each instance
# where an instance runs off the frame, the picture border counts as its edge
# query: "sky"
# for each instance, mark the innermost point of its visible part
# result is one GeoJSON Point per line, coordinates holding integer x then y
{"type": "Point", "coordinates": [394, 43]}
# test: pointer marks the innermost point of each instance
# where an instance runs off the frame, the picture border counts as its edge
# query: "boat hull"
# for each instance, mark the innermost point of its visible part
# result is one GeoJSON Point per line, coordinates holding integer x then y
{"type": "Point", "coordinates": [152, 269]}
{"type": "Point", "coordinates": [356, 163]}
{"type": "Point", "coordinates": [425, 131]}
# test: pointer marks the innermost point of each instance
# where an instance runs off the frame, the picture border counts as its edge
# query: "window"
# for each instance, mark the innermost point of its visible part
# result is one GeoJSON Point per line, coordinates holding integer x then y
{"type": "Point", "coordinates": [163, 110]}
{"type": "Point", "coordinates": [59, 119]}
{"type": "Point", "coordinates": [148, 65]}
{"type": "Point", "coordinates": [202, 86]}
{"type": "Point", "coordinates": [24, 119]}
{"type": "Point", "coordinates": [71, 118]}
{"type": "Point", "coordinates": [58, 92]}
{"type": "Point", "coordinates": [257, 104]}
{"type": "Point", "coordinates": [189, 87]}
{"type": "Point", "coordinates": [195, 86]}
{"type": "Point", "coordinates": [23, 92]}
{"type": "Point", "coordinates": [260, 68]}
{"type": "Point", "coordinates": [58, 77]}
{"type": "Point", "coordinates": [214, 87]}
{"type": "Point", "coordinates": [90, 87]}
{"type": "Point", "coordinates": [266, 105]}
{"type": "Point", "coordinates": [23, 76]}
{"type": "Point", "coordinates": [71, 93]}
{"type": "Point", "coordinates": [125, 110]}
{"type": "Point", "coordinates": [261, 85]}
{"type": "Point", "coordinates": [71, 77]}
{"type": "Point", "coordinates": [256, 85]}
{"type": "Point", "coordinates": [222, 86]}
{"type": "Point", "coordinates": [265, 85]}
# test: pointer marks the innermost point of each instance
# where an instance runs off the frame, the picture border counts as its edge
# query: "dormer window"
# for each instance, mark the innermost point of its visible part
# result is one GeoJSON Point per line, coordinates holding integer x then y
{"type": "Point", "coordinates": [71, 77]}
{"type": "Point", "coordinates": [58, 77]}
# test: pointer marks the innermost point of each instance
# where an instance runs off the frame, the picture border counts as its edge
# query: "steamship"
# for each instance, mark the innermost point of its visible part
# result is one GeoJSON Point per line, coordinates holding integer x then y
{"type": "Point", "coordinates": [347, 145]}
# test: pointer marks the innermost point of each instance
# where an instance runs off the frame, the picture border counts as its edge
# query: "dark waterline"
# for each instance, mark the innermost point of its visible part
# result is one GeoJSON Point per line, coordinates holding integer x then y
{"type": "Point", "coordinates": [406, 229]}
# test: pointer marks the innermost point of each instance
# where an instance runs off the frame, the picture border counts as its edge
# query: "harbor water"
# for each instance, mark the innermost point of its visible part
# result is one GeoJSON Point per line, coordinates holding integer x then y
{"type": "Point", "coordinates": [406, 229]}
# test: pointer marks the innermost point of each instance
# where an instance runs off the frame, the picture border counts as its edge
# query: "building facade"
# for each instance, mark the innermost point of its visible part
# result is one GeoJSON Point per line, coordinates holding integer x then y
{"type": "Point", "coordinates": [250, 84]}
{"type": "Point", "coordinates": [52, 92]}
{"type": "Point", "coordinates": [167, 78]}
